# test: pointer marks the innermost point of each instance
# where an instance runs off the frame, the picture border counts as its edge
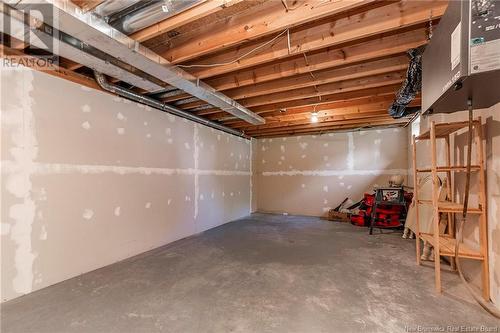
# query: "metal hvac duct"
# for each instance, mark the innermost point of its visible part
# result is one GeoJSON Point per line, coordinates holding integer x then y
{"type": "Point", "coordinates": [129, 94]}
{"type": "Point", "coordinates": [148, 15]}
{"type": "Point", "coordinates": [71, 48]}
{"type": "Point", "coordinates": [110, 7]}
{"type": "Point", "coordinates": [94, 31]}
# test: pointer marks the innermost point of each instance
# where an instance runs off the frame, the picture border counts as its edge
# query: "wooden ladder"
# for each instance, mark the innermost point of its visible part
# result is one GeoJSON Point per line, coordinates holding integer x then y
{"type": "Point", "coordinates": [444, 242]}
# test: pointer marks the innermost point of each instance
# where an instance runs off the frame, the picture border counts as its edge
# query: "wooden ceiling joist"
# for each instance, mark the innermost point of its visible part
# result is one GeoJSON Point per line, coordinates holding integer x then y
{"type": "Point", "coordinates": [321, 131]}
{"type": "Point", "coordinates": [336, 125]}
{"type": "Point", "coordinates": [353, 112]}
{"type": "Point", "coordinates": [321, 77]}
{"type": "Point", "coordinates": [325, 122]}
{"type": "Point", "coordinates": [368, 104]}
{"type": "Point", "coordinates": [375, 67]}
{"type": "Point", "coordinates": [87, 5]}
{"type": "Point", "coordinates": [315, 92]}
{"type": "Point", "coordinates": [267, 18]}
{"type": "Point", "coordinates": [324, 59]}
{"type": "Point", "coordinates": [326, 89]}
{"type": "Point", "coordinates": [309, 104]}
{"type": "Point", "coordinates": [390, 18]}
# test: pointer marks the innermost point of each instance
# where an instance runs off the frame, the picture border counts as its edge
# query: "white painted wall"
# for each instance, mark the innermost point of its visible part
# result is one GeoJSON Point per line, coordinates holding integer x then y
{"type": "Point", "coordinates": [491, 132]}
{"type": "Point", "coordinates": [308, 175]}
{"type": "Point", "coordinates": [89, 179]}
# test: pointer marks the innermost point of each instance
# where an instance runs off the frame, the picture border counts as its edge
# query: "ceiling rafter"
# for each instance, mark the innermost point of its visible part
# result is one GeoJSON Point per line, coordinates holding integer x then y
{"type": "Point", "coordinates": [262, 20]}
{"type": "Point", "coordinates": [318, 91]}
{"type": "Point", "coordinates": [392, 17]}
{"type": "Point", "coordinates": [341, 108]}
{"type": "Point", "coordinates": [308, 104]}
{"type": "Point", "coordinates": [322, 127]}
{"type": "Point", "coordinates": [359, 70]}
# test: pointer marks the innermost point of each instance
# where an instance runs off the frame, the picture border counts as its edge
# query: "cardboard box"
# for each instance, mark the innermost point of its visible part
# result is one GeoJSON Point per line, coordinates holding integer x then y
{"type": "Point", "coordinates": [338, 216]}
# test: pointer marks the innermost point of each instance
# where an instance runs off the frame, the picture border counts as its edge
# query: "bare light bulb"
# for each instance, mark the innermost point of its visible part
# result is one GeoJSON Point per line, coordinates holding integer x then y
{"type": "Point", "coordinates": [314, 117]}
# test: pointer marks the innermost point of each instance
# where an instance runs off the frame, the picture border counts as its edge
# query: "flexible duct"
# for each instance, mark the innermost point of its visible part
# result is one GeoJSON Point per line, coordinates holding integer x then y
{"type": "Point", "coordinates": [129, 94]}
{"type": "Point", "coordinates": [410, 88]}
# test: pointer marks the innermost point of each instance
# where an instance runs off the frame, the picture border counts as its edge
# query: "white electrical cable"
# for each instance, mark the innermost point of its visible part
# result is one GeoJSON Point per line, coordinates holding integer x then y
{"type": "Point", "coordinates": [240, 57]}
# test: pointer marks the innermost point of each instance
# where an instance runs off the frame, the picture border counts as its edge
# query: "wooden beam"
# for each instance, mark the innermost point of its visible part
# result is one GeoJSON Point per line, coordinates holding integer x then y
{"type": "Point", "coordinates": [357, 112]}
{"type": "Point", "coordinates": [264, 19]}
{"type": "Point", "coordinates": [314, 79]}
{"type": "Point", "coordinates": [357, 106]}
{"type": "Point", "coordinates": [19, 58]}
{"type": "Point", "coordinates": [326, 89]}
{"type": "Point", "coordinates": [325, 122]}
{"type": "Point", "coordinates": [354, 127]}
{"type": "Point", "coordinates": [321, 77]}
{"type": "Point", "coordinates": [314, 92]}
{"type": "Point", "coordinates": [307, 104]}
{"type": "Point", "coordinates": [192, 14]}
{"type": "Point", "coordinates": [328, 127]}
{"type": "Point", "coordinates": [87, 5]}
{"type": "Point", "coordinates": [328, 58]}
{"type": "Point", "coordinates": [390, 18]}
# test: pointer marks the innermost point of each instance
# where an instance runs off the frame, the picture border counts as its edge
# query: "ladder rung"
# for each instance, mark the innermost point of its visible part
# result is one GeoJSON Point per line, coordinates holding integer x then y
{"type": "Point", "coordinates": [456, 168]}
{"type": "Point", "coordinates": [451, 207]}
{"type": "Point", "coordinates": [447, 247]}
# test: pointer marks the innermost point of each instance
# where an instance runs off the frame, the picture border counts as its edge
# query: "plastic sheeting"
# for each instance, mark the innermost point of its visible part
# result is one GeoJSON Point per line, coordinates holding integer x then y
{"type": "Point", "coordinates": [410, 88]}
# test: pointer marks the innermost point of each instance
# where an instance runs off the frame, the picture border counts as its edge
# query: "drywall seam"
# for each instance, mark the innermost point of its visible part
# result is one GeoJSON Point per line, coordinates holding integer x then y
{"type": "Point", "coordinates": [327, 173]}
{"type": "Point", "coordinates": [61, 168]}
{"type": "Point", "coordinates": [18, 183]}
{"type": "Point", "coordinates": [251, 176]}
{"type": "Point", "coordinates": [196, 175]}
{"type": "Point", "coordinates": [350, 153]}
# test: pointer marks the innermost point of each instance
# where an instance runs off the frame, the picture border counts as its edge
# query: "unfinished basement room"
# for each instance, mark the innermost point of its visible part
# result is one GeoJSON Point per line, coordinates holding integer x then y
{"type": "Point", "coordinates": [290, 166]}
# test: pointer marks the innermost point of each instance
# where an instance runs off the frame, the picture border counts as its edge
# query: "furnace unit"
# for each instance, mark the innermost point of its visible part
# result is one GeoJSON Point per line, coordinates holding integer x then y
{"type": "Point", "coordinates": [462, 61]}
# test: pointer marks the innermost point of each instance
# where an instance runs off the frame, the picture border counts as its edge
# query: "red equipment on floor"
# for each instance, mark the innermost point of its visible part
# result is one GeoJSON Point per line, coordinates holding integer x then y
{"type": "Point", "coordinates": [385, 215]}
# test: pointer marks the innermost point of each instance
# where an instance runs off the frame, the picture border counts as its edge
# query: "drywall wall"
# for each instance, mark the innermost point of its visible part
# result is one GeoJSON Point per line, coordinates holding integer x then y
{"type": "Point", "coordinates": [89, 179]}
{"type": "Point", "coordinates": [491, 132]}
{"type": "Point", "coordinates": [310, 174]}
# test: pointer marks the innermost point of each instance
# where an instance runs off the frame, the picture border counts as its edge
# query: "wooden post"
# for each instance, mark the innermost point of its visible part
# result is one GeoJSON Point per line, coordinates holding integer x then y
{"type": "Point", "coordinates": [435, 221]}
{"type": "Point", "coordinates": [483, 220]}
{"type": "Point", "coordinates": [415, 196]}
{"type": "Point", "coordinates": [449, 193]}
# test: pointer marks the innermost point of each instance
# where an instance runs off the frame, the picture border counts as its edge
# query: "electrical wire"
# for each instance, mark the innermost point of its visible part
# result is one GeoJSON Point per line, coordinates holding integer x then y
{"type": "Point", "coordinates": [240, 57]}
{"type": "Point", "coordinates": [484, 304]}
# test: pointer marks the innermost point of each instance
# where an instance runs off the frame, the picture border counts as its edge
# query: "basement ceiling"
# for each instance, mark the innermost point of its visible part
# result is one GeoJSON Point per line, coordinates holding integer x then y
{"type": "Point", "coordinates": [287, 61]}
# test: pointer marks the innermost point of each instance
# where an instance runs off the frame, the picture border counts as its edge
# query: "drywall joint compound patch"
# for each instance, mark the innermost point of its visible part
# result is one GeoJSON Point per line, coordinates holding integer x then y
{"type": "Point", "coordinates": [350, 153]}
{"type": "Point", "coordinates": [196, 175]}
{"type": "Point", "coordinates": [20, 121]}
{"type": "Point", "coordinates": [328, 173]}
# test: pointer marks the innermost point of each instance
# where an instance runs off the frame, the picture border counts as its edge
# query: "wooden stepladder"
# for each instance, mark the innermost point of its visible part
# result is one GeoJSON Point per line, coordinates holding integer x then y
{"type": "Point", "coordinates": [444, 242]}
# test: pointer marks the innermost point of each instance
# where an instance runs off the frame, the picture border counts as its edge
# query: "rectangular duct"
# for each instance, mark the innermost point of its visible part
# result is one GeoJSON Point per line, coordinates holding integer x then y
{"type": "Point", "coordinates": [16, 29]}
{"type": "Point", "coordinates": [91, 29]}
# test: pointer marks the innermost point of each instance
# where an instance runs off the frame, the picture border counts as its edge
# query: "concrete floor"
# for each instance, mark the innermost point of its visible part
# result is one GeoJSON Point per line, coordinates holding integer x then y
{"type": "Point", "coordinates": [264, 273]}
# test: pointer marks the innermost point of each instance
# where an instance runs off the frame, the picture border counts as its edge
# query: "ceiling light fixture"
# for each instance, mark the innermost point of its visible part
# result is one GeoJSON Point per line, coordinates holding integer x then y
{"type": "Point", "coordinates": [314, 117]}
